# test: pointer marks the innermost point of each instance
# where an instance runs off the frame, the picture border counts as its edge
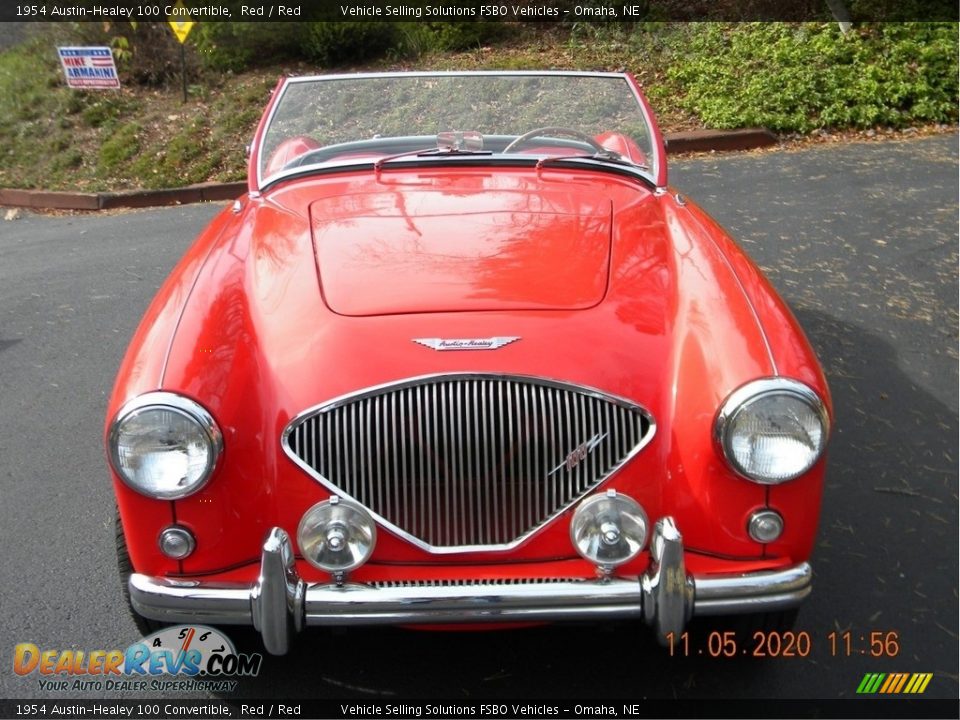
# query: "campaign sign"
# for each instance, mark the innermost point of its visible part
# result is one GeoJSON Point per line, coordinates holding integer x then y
{"type": "Point", "coordinates": [89, 68]}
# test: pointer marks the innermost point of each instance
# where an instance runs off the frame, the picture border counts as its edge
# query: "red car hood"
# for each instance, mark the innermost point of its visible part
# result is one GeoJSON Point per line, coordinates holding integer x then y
{"type": "Point", "coordinates": [426, 249]}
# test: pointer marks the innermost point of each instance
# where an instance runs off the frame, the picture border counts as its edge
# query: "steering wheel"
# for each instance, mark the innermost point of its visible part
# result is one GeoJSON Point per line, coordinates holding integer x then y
{"type": "Point", "coordinates": [554, 131]}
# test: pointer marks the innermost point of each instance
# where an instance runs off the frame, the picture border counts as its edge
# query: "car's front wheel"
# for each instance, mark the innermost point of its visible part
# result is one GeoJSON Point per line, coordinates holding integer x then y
{"type": "Point", "coordinates": [146, 626]}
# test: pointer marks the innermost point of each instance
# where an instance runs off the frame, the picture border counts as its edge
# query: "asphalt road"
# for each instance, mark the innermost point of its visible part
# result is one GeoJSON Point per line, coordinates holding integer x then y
{"type": "Point", "coordinates": [861, 239]}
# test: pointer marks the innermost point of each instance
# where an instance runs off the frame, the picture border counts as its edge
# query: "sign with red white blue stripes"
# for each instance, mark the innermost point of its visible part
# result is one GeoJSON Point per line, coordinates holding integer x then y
{"type": "Point", "coordinates": [89, 68]}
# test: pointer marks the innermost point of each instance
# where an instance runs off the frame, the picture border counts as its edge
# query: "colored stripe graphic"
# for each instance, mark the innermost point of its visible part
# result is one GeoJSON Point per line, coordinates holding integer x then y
{"type": "Point", "coordinates": [892, 679]}
{"type": "Point", "coordinates": [894, 683]}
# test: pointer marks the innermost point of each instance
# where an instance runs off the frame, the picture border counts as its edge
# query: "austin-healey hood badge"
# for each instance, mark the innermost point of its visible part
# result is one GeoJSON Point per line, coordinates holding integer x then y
{"type": "Point", "coordinates": [491, 343]}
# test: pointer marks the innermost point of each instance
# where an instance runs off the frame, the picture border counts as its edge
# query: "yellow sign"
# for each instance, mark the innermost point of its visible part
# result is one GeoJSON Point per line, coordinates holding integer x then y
{"type": "Point", "coordinates": [180, 21]}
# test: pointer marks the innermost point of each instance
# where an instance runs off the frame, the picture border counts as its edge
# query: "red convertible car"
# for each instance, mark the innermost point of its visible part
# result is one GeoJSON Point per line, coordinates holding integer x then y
{"type": "Point", "coordinates": [461, 355]}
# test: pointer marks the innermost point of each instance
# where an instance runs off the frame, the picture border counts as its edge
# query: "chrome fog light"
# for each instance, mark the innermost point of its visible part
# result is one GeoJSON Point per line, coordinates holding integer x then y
{"type": "Point", "coordinates": [337, 535]}
{"type": "Point", "coordinates": [609, 529]}
{"type": "Point", "coordinates": [177, 542]}
{"type": "Point", "coordinates": [765, 526]}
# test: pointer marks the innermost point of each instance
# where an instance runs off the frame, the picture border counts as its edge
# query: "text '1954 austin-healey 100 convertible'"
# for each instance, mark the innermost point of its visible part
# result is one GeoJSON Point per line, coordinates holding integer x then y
{"type": "Point", "coordinates": [460, 355]}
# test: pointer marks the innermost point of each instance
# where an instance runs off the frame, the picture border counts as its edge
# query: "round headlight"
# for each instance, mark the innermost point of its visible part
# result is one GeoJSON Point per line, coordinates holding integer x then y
{"type": "Point", "coordinates": [609, 530]}
{"type": "Point", "coordinates": [164, 446]}
{"type": "Point", "coordinates": [772, 430]}
{"type": "Point", "coordinates": [337, 535]}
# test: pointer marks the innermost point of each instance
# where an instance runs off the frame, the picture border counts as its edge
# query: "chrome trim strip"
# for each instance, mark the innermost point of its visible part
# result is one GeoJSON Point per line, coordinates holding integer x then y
{"type": "Point", "coordinates": [453, 73]}
{"type": "Point", "coordinates": [472, 582]}
{"type": "Point", "coordinates": [279, 603]}
{"type": "Point", "coordinates": [457, 463]}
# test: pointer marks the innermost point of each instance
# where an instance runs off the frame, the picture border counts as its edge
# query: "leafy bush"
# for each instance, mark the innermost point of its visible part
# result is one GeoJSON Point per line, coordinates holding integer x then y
{"type": "Point", "coordinates": [802, 77]}
{"type": "Point", "coordinates": [464, 35]}
{"type": "Point", "coordinates": [338, 43]}
{"type": "Point", "coordinates": [237, 46]}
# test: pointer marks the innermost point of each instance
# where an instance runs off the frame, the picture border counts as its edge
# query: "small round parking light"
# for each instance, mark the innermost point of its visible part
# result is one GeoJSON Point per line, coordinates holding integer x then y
{"type": "Point", "coordinates": [609, 530]}
{"type": "Point", "coordinates": [177, 542]}
{"type": "Point", "coordinates": [765, 526]}
{"type": "Point", "coordinates": [337, 535]}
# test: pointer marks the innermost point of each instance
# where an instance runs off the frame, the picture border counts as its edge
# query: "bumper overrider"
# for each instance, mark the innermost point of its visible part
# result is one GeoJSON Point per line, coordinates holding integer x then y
{"type": "Point", "coordinates": [280, 604]}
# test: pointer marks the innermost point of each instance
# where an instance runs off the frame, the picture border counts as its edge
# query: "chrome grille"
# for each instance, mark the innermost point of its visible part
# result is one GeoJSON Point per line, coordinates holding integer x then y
{"type": "Point", "coordinates": [466, 462]}
{"type": "Point", "coordinates": [481, 582]}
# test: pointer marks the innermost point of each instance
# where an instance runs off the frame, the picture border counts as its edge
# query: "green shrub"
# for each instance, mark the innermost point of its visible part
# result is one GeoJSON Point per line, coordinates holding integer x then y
{"type": "Point", "coordinates": [104, 108]}
{"type": "Point", "coordinates": [800, 77]}
{"type": "Point", "coordinates": [122, 146]}
{"type": "Point", "coordinates": [237, 46]}
{"type": "Point", "coordinates": [464, 35]}
{"type": "Point", "coordinates": [338, 43]}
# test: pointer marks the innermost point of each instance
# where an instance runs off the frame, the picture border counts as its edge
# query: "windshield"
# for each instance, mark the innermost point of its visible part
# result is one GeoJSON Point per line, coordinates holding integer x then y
{"type": "Point", "coordinates": [338, 120]}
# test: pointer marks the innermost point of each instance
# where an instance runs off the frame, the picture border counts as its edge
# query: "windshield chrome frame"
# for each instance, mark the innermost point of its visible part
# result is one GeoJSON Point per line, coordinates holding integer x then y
{"type": "Point", "coordinates": [649, 175]}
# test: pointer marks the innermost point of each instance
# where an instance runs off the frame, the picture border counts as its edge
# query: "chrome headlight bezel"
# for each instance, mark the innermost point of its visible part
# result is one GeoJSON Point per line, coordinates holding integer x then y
{"type": "Point", "coordinates": [183, 406]}
{"type": "Point", "coordinates": [749, 394]}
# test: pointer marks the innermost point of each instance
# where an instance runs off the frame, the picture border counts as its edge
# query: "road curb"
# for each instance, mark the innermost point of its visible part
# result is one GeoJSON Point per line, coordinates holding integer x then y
{"type": "Point", "coordinates": [47, 200]}
{"type": "Point", "coordinates": [677, 143]}
{"type": "Point", "coordinates": [719, 140]}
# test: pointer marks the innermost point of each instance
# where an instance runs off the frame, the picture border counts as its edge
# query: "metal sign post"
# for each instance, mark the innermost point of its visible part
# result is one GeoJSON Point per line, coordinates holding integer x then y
{"type": "Point", "coordinates": [181, 24]}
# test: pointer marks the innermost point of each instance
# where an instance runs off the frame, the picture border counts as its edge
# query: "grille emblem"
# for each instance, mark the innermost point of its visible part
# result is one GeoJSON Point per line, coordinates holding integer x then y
{"type": "Point", "coordinates": [491, 343]}
{"type": "Point", "coordinates": [579, 453]}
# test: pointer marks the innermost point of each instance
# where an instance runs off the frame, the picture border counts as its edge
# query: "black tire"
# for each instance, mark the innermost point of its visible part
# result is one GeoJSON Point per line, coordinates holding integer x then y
{"type": "Point", "coordinates": [146, 626]}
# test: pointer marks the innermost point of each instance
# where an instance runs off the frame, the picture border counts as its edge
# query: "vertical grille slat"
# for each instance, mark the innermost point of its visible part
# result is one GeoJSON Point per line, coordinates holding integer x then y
{"type": "Point", "coordinates": [471, 461]}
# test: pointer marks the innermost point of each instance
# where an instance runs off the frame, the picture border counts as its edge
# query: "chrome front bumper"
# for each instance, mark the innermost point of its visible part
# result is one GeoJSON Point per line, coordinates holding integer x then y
{"type": "Point", "coordinates": [280, 604]}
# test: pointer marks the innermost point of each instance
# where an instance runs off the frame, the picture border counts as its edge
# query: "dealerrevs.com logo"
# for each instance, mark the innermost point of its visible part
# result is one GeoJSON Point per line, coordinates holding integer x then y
{"type": "Point", "coordinates": [180, 658]}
